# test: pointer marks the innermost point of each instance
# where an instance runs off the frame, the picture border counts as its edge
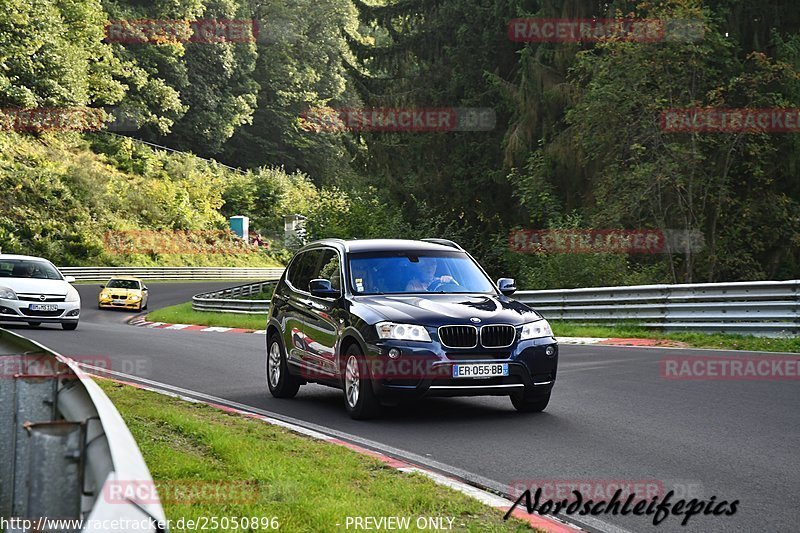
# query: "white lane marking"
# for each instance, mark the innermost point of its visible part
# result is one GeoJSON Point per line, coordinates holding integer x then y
{"type": "Point", "coordinates": [217, 329]}
{"type": "Point", "coordinates": [487, 498]}
{"type": "Point", "coordinates": [581, 340]}
{"type": "Point", "coordinates": [177, 326]}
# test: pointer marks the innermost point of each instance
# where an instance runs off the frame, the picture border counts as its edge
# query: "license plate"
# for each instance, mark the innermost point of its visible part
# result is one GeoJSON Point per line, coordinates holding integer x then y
{"type": "Point", "coordinates": [481, 370]}
{"type": "Point", "coordinates": [122, 302]}
{"type": "Point", "coordinates": [43, 307]}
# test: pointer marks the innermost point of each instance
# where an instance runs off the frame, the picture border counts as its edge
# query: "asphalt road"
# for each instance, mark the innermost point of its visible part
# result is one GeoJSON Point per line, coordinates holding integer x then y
{"type": "Point", "coordinates": [611, 418]}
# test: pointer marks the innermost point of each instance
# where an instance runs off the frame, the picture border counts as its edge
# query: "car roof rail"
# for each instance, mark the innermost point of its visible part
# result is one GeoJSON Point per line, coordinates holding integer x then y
{"type": "Point", "coordinates": [444, 242]}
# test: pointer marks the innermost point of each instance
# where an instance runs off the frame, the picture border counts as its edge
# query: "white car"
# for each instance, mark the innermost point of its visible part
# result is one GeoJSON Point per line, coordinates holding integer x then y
{"type": "Point", "coordinates": [32, 290]}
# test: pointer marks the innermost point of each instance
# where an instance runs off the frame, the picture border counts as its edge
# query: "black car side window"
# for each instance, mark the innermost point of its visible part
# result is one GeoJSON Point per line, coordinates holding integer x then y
{"type": "Point", "coordinates": [302, 269]}
{"type": "Point", "coordinates": [330, 269]}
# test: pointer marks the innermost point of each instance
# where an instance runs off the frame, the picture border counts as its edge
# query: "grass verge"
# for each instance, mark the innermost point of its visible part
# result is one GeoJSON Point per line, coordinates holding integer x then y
{"type": "Point", "coordinates": [694, 340]}
{"type": "Point", "coordinates": [184, 314]}
{"type": "Point", "coordinates": [307, 485]}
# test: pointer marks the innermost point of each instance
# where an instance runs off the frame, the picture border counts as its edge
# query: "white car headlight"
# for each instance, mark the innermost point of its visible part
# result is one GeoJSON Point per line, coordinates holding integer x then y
{"type": "Point", "coordinates": [135, 297]}
{"type": "Point", "coordinates": [73, 296]}
{"type": "Point", "coordinates": [402, 332]}
{"type": "Point", "coordinates": [536, 330]}
{"type": "Point", "coordinates": [7, 294]}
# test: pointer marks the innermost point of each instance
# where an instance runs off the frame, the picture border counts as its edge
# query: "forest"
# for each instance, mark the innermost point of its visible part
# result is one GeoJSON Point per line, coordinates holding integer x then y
{"type": "Point", "coordinates": [576, 139]}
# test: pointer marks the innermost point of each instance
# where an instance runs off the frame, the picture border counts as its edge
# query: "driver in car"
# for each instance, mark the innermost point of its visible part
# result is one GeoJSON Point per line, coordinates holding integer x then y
{"type": "Point", "coordinates": [425, 278]}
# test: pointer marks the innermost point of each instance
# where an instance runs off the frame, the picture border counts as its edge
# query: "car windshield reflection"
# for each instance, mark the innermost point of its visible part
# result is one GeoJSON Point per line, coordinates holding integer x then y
{"type": "Point", "coordinates": [411, 273]}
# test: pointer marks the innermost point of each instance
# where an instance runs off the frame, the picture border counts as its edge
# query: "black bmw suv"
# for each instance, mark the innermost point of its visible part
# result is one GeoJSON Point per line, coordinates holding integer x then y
{"type": "Point", "coordinates": [385, 320]}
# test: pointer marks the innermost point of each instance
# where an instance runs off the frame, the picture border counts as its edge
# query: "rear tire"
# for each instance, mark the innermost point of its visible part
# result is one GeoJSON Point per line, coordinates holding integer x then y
{"type": "Point", "coordinates": [529, 403]}
{"type": "Point", "coordinates": [281, 384]}
{"type": "Point", "coordinates": [70, 326]}
{"type": "Point", "coordinates": [359, 396]}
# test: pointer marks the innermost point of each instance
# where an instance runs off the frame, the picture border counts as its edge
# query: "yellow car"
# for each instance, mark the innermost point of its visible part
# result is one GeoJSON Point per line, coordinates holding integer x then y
{"type": "Point", "coordinates": [123, 293]}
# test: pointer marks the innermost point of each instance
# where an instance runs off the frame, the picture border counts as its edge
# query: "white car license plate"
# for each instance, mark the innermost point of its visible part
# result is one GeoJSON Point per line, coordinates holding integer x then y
{"type": "Point", "coordinates": [43, 307]}
{"type": "Point", "coordinates": [119, 302]}
{"type": "Point", "coordinates": [480, 370]}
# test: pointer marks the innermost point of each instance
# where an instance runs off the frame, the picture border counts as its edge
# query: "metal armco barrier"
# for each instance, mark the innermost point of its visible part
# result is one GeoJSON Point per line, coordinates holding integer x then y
{"type": "Point", "coordinates": [64, 446]}
{"type": "Point", "coordinates": [762, 308]}
{"type": "Point", "coordinates": [231, 301]}
{"type": "Point", "coordinates": [103, 273]}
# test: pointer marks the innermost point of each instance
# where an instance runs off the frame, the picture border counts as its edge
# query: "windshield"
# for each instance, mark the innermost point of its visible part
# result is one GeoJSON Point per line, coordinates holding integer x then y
{"type": "Point", "coordinates": [26, 268]}
{"type": "Point", "coordinates": [403, 273]}
{"type": "Point", "coordinates": [122, 284]}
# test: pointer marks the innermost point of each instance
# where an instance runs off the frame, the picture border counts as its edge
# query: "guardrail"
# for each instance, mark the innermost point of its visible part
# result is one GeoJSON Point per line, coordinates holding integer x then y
{"type": "Point", "coordinates": [103, 273]}
{"type": "Point", "coordinates": [231, 301]}
{"type": "Point", "coordinates": [64, 446]}
{"type": "Point", "coordinates": [764, 308]}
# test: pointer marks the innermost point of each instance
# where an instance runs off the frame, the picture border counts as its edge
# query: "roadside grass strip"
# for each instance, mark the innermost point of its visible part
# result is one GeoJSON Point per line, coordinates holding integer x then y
{"type": "Point", "coordinates": [184, 314]}
{"type": "Point", "coordinates": [293, 481]}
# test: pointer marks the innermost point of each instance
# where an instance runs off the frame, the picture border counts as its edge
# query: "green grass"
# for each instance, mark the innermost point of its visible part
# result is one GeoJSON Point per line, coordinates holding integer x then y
{"type": "Point", "coordinates": [183, 314]}
{"type": "Point", "coordinates": [308, 485]}
{"type": "Point", "coordinates": [695, 340]}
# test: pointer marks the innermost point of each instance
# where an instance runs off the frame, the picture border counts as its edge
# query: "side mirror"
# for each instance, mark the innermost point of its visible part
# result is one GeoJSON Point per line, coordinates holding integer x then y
{"type": "Point", "coordinates": [321, 288]}
{"type": "Point", "coordinates": [144, 288]}
{"type": "Point", "coordinates": [507, 286]}
{"type": "Point", "coordinates": [69, 279]}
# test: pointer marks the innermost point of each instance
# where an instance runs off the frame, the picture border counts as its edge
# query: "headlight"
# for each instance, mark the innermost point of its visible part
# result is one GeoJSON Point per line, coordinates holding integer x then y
{"type": "Point", "coordinates": [134, 297]}
{"type": "Point", "coordinates": [402, 332]}
{"type": "Point", "coordinates": [536, 330]}
{"type": "Point", "coordinates": [7, 294]}
{"type": "Point", "coordinates": [73, 296]}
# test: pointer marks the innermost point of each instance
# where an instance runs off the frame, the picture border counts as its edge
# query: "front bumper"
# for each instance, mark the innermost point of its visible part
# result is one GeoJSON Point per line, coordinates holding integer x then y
{"type": "Point", "coordinates": [125, 304]}
{"type": "Point", "coordinates": [20, 311]}
{"type": "Point", "coordinates": [530, 370]}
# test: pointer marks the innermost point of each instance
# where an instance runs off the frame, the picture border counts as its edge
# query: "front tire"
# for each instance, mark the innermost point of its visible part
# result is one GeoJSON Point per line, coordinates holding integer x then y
{"type": "Point", "coordinates": [359, 397]}
{"type": "Point", "coordinates": [281, 384]}
{"type": "Point", "coordinates": [70, 326]}
{"type": "Point", "coordinates": [530, 403]}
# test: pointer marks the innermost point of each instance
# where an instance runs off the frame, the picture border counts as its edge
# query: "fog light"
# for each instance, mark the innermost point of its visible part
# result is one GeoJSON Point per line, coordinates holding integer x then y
{"type": "Point", "coordinates": [550, 350]}
{"type": "Point", "coordinates": [394, 353]}
{"type": "Point", "coordinates": [74, 312]}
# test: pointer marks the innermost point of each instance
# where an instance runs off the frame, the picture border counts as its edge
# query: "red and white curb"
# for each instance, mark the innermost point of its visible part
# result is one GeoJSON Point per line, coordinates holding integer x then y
{"type": "Point", "coordinates": [141, 322]}
{"type": "Point", "coordinates": [541, 523]}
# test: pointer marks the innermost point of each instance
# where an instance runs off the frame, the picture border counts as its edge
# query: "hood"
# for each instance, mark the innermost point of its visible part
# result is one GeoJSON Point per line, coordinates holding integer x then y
{"type": "Point", "coordinates": [121, 291]}
{"type": "Point", "coordinates": [439, 309]}
{"type": "Point", "coordinates": [36, 286]}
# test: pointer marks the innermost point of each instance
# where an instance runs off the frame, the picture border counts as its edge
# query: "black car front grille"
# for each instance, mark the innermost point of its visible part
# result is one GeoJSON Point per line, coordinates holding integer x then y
{"type": "Point", "coordinates": [119, 296]}
{"type": "Point", "coordinates": [497, 336]}
{"type": "Point", "coordinates": [478, 356]}
{"type": "Point", "coordinates": [458, 336]}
